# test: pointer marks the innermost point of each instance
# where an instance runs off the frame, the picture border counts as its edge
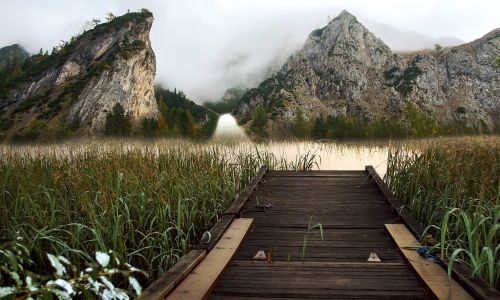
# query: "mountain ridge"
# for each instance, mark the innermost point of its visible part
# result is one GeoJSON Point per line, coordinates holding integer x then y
{"type": "Point", "coordinates": [344, 70]}
{"type": "Point", "coordinates": [82, 81]}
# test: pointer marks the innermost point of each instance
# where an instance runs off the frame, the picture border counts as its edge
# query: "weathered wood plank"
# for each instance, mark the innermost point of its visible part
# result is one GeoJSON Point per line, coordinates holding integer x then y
{"type": "Point", "coordinates": [319, 173]}
{"type": "Point", "coordinates": [201, 280]}
{"type": "Point", "coordinates": [235, 208]}
{"type": "Point", "coordinates": [414, 226]}
{"type": "Point", "coordinates": [275, 290]}
{"type": "Point", "coordinates": [474, 285]}
{"type": "Point", "coordinates": [431, 273]}
{"type": "Point", "coordinates": [166, 283]}
{"type": "Point", "coordinates": [216, 232]}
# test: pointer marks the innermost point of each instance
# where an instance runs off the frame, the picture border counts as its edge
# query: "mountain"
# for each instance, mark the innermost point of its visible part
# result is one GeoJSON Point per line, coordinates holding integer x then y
{"type": "Point", "coordinates": [345, 71]}
{"type": "Point", "coordinates": [183, 117]}
{"type": "Point", "coordinates": [10, 55]}
{"type": "Point", "coordinates": [75, 87]}
{"type": "Point", "coordinates": [229, 102]}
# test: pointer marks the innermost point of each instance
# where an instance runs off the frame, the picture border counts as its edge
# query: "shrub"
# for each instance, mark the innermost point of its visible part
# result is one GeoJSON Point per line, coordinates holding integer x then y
{"type": "Point", "coordinates": [6, 123]}
{"type": "Point", "coordinates": [35, 127]}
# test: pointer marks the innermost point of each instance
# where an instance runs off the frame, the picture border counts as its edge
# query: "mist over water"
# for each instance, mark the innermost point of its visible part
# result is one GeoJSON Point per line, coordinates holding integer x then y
{"type": "Point", "coordinates": [228, 129]}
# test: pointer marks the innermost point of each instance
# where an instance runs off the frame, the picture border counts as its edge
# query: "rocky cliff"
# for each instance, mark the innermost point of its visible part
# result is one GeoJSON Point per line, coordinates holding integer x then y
{"type": "Point", "coordinates": [344, 70]}
{"type": "Point", "coordinates": [79, 83]}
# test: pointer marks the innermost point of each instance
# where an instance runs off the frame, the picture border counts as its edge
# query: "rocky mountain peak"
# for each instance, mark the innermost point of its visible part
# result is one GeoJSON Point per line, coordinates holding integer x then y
{"type": "Point", "coordinates": [344, 40]}
{"type": "Point", "coordinates": [344, 14]}
{"type": "Point", "coordinates": [344, 70]}
{"type": "Point", "coordinates": [80, 82]}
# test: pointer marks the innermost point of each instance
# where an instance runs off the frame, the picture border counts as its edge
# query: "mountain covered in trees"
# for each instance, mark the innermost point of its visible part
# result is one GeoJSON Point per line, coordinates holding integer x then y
{"type": "Point", "coordinates": [346, 82]}
{"type": "Point", "coordinates": [11, 58]}
{"type": "Point", "coordinates": [73, 89]}
{"type": "Point", "coordinates": [181, 117]}
{"type": "Point", "coordinates": [100, 82]}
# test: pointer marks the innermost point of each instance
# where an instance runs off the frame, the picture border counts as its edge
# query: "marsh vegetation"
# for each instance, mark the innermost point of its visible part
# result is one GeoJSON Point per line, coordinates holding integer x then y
{"type": "Point", "coordinates": [150, 201]}
{"type": "Point", "coordinates": [453, 188]}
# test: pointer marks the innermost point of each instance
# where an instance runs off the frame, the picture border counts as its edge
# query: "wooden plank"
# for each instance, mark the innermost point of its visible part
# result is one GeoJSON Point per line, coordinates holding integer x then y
{"type": "Point", "coordinates": [216, 232]}
{"type": "Point", "coordinates": [275, 290]}
{"type": "Point", "coordinates": [474, 285]}
{"type": "Point", "coordinates": [316, 265]}
{"type": "Point", "coordinates": [415, 227]}
{"type": "Point", "coordinates": [235, 208]}
{"type": "Point", "coordinates": [200, 282]}
{"type": "Point", "coordinates": [431, 273]}
{"type": "Point", "coordinates": [174, 275]}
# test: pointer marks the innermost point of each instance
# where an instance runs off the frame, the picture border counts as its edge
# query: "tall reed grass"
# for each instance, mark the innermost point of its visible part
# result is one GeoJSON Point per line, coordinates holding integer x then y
{"type": "Point", "coordinates": [149, 202]}
{"type": "Point", "coordinates": [453, 188]}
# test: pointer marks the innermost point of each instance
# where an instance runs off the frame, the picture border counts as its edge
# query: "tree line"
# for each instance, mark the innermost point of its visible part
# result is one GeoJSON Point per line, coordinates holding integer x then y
{"type": "Point", "coordinates": [413, 123]}
{"type": "Point", "coordinates": [175, 120]}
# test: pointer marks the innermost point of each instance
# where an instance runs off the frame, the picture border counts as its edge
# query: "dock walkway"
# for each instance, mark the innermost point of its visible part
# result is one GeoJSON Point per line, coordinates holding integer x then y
{"type": "Point", "coordinates": [329, 261]}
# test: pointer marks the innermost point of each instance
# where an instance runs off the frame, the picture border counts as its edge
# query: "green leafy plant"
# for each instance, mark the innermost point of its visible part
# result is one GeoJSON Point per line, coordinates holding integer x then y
{"type": "Point", "coordinates": [453, 189]}
{"type": "Point", "coordinates": [148, 201]}
{"type": "Point", "coordinates": [19, 279]}
{"type": "Point", "coordinates": [310, 227]}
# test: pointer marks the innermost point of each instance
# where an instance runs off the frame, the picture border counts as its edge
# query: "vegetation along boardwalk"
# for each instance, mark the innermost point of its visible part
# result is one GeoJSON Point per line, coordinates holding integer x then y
{"type": "Point", "coordinates": [313, 235]}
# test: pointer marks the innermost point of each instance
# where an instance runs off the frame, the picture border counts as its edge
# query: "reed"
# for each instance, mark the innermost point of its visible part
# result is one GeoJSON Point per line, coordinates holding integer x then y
{"type": "Point", "coordinates": [148, 202]}
{"type": "Point", "coordinates": [453, 188]}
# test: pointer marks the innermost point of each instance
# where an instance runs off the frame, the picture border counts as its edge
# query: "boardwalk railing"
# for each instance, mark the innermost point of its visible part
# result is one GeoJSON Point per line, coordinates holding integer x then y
{"type": "Point", "coordinates": [167, 283]}
{"type": "Point", "coordinates": [461, 273]}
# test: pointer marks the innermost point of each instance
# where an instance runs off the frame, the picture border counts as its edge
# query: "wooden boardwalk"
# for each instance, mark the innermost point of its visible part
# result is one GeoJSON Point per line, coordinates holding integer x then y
{"type": "Point", "coordinates": [352, 212]}
{"type": "Point", "coordinates": [353, 208]}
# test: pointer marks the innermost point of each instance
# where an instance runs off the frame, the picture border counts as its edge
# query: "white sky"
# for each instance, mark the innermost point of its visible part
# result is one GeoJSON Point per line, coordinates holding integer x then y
{"type": "Point", "coordinates": [204, 46]}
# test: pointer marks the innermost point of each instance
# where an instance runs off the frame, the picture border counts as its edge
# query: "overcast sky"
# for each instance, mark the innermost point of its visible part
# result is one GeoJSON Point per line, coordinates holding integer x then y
{"type": "Point", "coordinates": [204, 47]}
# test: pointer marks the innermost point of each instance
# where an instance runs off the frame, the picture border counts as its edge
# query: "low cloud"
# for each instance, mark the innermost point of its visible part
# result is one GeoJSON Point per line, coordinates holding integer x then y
{"type": "Point", "coordinates": [204, 47]}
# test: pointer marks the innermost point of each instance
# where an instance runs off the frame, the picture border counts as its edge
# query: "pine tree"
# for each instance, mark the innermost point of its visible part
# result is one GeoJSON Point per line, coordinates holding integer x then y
{"type": "Point", "coordinates": [319, 128]}
{"type": "Point", "coordinates": [259, 120]}
{"type": "Point", "coordinates": [117, 122]}
{"type": "Point", "coordinates": [300, 127]}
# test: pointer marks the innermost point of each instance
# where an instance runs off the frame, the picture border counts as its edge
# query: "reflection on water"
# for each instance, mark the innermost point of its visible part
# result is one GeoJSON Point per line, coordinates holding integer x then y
{"type": "Point", "coordinates": [334, 155]}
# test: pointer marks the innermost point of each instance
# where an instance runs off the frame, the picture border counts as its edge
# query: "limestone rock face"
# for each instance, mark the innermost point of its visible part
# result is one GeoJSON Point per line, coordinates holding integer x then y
{"type": "Point", "coordinates": [129, 80]}
{"type": "Point", "coordinates": [344, 70]}
{"type": "Point", "coordinates": [112, 63]}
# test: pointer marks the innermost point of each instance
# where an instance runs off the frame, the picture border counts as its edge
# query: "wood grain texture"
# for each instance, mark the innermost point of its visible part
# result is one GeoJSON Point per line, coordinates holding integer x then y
{"type": "Point", "coordinates": [474, 285]}
{"type": "Point", "coordinates": [235, 208]}
{"type": "Point", "coordinates": [430, 272]}
{"type": "Point", "coordinates": [352, 211]}
{"type": "Point", "coordinates": [166, 283]}
{"type": "Point", "coordinates": [200, 281]}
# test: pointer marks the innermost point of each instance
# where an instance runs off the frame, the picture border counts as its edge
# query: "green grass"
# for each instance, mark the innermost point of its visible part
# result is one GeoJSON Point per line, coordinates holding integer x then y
{"type": "Point", "coordinates": [453, 188]}
{"type": "Point", "coordinates": [149, 202]}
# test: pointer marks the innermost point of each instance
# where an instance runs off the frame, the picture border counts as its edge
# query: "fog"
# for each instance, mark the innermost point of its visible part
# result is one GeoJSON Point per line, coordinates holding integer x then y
{"type": "Point", "coordinates": [204, 47]}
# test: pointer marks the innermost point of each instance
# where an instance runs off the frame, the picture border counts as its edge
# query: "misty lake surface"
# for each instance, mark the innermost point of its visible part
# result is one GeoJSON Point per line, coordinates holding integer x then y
{"type": "Point", "coordinates": [229, 141]}
{"type": "Point", "coordinates": [329, 155]}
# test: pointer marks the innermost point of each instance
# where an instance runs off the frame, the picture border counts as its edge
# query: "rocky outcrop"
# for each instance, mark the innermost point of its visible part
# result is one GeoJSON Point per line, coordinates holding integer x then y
{"type": "Point", "coordinates": [112, 63]}
{"type": "Point", "coordinates": [344, 70]}
{"type": "Point", "coordinates": [127, 79]}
